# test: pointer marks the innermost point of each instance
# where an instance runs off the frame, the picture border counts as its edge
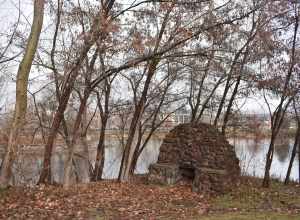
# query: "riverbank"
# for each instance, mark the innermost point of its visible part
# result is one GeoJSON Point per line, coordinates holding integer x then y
{"type": "Point", "coordinates": [138, 200]}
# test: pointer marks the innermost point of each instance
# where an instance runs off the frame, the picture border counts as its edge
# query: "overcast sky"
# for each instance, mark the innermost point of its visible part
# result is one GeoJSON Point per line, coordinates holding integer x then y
{"type": "Point", "coordinates": [8, 15]}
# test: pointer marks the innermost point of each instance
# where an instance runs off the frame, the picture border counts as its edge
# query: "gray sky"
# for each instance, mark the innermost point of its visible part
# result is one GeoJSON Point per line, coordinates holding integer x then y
{"type": "Point", "coordinates": [9, 15]}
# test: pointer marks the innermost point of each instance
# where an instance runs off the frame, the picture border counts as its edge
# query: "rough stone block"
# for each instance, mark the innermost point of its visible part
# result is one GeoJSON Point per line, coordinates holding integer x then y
{"type": "Point", "coordinates": [212, 162]}
{"type": "Point", "coordinates": [164, 173]}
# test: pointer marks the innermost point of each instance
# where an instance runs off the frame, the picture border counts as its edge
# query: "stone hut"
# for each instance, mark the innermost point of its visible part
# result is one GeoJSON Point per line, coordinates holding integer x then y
{"type": "Point", "coordinates": [199, 152]}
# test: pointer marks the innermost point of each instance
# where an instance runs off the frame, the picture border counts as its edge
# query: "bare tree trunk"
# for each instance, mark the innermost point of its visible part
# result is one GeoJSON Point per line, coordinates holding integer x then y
{"type": "Point", "coordinates": [276, 124]}
{"type": "Point", "coordinates": [194, 109]}
{"type": "Point", "coordinates": [208, 98]}
{"type": "Point", "coordinates": [99, 163]}
{"type": "Point", "coordinates": [96, 33]}
{"type": "Point", "coordinates": [238, 81]}
{"type": "Point", "coordinates": [281, 109]}
{"type": "Point", "coordinates": [234, 93]}
{"type": "Point", "coordinates": [294, 152]}
{"type": "Point", "coordinates": [227, 86]}
{"type": "Point", "coordinates": [229, 107]}
{"type": "Point", "coordinates": [139, 147]}
{"type": "Point", "coordinates": [128, 151]}
{"type": "Point", "coordinates": [136, 154]}
{"type": "Point", "coordinates": [269, 159]}
{"type": "Point", "coordinates": [85, 178]}
{"type": "Point", "coordinates": [45, 176]}
{"type": "Point", "coordinates": [39, 118]}
{"type": "Point", "coordinates": [69, 161]}
{"type": "Point", "coordinates": [79, 120]}
{"type": "Point", "coordinates": [299, 163]}
{"type": "Point", "coordinates": [127, 155]}
{"type": "Point", "coordinates": [296, 145]}
{"type": "Point", "coordinates": [86, 175]}
{"type": "Point", "coordinates": [221, 105]}
{"type": "Point", "coordinates": [21, 92]}
{"type": "Point", "coordinates": [104, 112]}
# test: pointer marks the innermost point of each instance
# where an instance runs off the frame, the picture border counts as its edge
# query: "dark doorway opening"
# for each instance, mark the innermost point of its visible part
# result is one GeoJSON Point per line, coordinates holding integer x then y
{"type": "Point", "coordinates": [187, 172]}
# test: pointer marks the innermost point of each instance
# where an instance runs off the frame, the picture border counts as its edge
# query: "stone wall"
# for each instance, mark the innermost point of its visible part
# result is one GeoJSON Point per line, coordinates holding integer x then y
{"type": "Point", "coordinates": [202, 154]}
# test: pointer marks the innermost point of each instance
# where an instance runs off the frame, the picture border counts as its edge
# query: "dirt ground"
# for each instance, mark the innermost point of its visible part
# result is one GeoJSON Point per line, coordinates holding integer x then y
{"type": "Point", "coordinates": [138, 200]}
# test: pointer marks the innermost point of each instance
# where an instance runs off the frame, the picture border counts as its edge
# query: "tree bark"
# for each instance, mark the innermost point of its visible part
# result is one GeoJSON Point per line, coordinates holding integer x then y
{"type": "Point", "coordinates": [45, 176]}
{"type": "Point", "coordinates": [195, 109]}
{"type": "Point", "coordinates": [21, 92]}
{"type": "Point", "coordinates": [127, 155]}
{"type": "Point", "coordinates": [227, 86]}
{"type": "Point", "coordinates": [95, 33]}
{"type": "Point", "coordinates": [128, 151]}
{"type": "Point", "coordinates": [234, 93]}
{"type": "Point", "coordinates": [294, 152]}
{"type": "Point", "coordinates": [136, 154]}
{"type": "Point", "coordinates": [84, 143]}
{"type": "Point", "coordinates": [281, 109]}
{"type": "Point", "coordinates": [299, 163]}
{"type": "Point", "coordinates": [104, 112]}
{"type": "Point", "coordinates": [68, 165]}
{"type": "Point", "coordinates": [266, 180]}
{"type": "Point", "coordinates": [208, 98]}
{"type": "Point", "coordinates": [99, 163]}
{"type": "Point", "coordinates": [221, 105]}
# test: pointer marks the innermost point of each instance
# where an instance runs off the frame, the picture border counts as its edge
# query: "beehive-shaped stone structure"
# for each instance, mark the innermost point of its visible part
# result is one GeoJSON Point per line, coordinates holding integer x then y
{"type": "Point", "coordinates": [199, 152]}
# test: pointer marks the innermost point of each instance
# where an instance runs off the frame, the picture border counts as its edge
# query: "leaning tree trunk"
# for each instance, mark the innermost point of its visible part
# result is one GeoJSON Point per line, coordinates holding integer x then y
{"type": "Point", "coordinates": [294, 152]}
{"type": "Point", "coordinates": [124, 173]}
{"type": "Point", "coordinates": [21, 92]}
{"type": "Point", "coordinates": [80, 118]}
{"type": "Point", "coordinates": [86, 176]}
{"type": "Point", "coordinates": [99, 163]}
{"type": "Point", "coordinates": [229, 77]}
{"type": "Point", "coordinates": [269, 159]}
{"type": "Point", "coordinates": [70, 158]}
{"type": "Point", "coordinates": [295, 147]}
{"type": "Point", "coordinates": [279, 115]}
{"type": "Point", "coordinates": [222, 102]}
{"type": "Point", "coordinates": [104, 113]}
{"type": "Point", "coordinates": [45, 176]}
{"type": "Point", "coordinates": [95, 32]}
{"type": "Point", "coordinates": [136, 155]}
{"type": "Point", "coordinates": [299, 163]}
{"type": "Point", "coordinates": [234, 93]}
{"type": "Point", "coordinates": [128, 151]}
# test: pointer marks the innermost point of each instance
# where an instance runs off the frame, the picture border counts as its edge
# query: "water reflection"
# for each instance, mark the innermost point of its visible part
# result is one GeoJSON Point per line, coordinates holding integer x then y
{"type": "Point", "coordinates": [251, 153]}
{"type": "Point", "coordinates": [282, 149]}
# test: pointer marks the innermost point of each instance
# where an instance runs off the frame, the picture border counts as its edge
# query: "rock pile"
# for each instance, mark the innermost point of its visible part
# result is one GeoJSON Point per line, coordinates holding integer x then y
{"type": "Point", "coordinates": [198, 152]}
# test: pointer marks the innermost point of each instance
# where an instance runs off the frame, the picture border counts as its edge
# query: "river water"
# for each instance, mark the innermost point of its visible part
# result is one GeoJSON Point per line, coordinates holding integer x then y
{"type": "Point", "coordinates": [251, 153]}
